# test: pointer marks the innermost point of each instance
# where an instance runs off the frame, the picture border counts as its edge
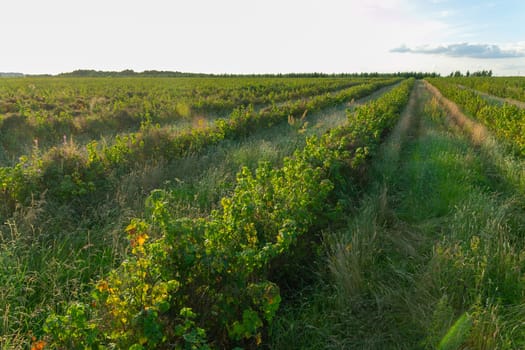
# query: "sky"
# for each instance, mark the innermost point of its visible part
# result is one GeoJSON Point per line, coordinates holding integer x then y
{"type": "Point", "coordinates": [263, 36]}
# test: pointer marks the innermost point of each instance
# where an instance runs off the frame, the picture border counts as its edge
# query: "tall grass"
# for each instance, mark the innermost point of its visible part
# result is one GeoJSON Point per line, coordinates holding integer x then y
{"type": "Point", "coordinates": [50, 253]}
{"type": "Point", "coordinates": [431, 260]}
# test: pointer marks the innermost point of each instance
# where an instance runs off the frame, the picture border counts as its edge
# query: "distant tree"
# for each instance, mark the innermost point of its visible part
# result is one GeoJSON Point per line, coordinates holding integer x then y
{"type": "Point", "coordinates": [482, 73]}
{"type": "Point", "coordinates": [127, 72]}
{"type": "Point", "coordinates": [175, 74]}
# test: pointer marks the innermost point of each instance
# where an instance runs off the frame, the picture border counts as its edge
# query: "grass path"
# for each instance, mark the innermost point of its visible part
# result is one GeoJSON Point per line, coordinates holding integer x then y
{"type": "Point", "coordinates": [431, 259]}
{"type": "Point", "coordinates": [506, 170]}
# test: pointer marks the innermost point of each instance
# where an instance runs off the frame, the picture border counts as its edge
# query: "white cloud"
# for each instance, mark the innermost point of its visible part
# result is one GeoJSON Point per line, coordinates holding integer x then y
{"type": "Point", "coordinates": [483, 51]}
{"type": "Point", "coordinates": [446, 13]}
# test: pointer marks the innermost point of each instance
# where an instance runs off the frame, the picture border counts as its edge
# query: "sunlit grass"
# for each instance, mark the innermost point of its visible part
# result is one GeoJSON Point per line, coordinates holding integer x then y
{"type": "Point", "coordinates": [49, 253]}
{"type": "Point", "coordinates": [431, 259]}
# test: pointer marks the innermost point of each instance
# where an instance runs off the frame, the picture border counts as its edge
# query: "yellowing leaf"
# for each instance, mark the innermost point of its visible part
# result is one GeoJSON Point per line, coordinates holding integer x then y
{"type": "Point", "coordinates": [102, 286]}
{"type": "Point", "coordinates": [141, 239]}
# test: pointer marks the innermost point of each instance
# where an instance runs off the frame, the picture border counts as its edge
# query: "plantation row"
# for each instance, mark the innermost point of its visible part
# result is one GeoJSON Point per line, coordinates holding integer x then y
{"type": "Point", "coordinates": [47, 109]}
{"type": "Point", "coordinates": [214, 282]}
{"type": "Point", "coordinates": [433, 256]}
{"type": "Point", "coordinates": [93, 96]}
{"type": "Point", "coordinates": [68, 174]}
{"type": "Point", "coordinates": [504, 87]}
{"type": "Point", "coordinates": [507, 121]}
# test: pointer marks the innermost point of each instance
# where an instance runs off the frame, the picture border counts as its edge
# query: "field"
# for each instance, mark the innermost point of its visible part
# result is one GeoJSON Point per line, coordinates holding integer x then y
{"type": "Point", "coordinates": [275, 212]}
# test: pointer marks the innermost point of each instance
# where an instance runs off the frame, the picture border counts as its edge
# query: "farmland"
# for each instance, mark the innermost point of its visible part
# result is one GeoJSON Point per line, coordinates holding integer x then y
{"type": "Point", "coordinates": [280, 212]}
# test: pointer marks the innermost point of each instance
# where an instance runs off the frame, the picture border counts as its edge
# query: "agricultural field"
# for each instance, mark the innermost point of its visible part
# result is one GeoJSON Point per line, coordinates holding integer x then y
{"type": "Point", "coordinates": [68, 195]}
{"type": "Point", "coordinates": [432, 258]}
{"type": "Point", "coordinates": [272, 212]}
{"type": "Point", "coordinates": [85, 109]}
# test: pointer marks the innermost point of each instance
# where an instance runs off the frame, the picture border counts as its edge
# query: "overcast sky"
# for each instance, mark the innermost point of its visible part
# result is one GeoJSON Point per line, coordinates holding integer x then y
{"type": "Point", "coordinates": [263, 36]}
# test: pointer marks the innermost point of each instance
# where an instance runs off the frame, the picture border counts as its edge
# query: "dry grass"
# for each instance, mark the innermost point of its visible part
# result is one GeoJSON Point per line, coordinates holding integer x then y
{"type": "Point", "coordinates": [435, 237]}
{"type": "Point", "coordinates": [478, 132]}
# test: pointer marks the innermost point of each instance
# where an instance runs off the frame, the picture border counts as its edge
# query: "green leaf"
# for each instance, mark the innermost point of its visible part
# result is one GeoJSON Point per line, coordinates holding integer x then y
{"type": "Point", "coordinates": [457, 334]}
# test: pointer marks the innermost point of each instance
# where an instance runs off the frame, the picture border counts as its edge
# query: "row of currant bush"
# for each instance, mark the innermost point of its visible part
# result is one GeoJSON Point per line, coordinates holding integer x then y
{"type": "Point", "coordinates": [142, 147]}
{"type": "Point", "coordinates": [59, 98]}
{"type": "Point", "coordinates": [67, 173]}
{"type": "Point", "coordinates": [214, 282]}
{"type": "Point", "coordinates": [504, 87]}
{"type": "Point", "coordinates": [507, 121]}
{"type": "Point", "coordinates": [48, 109]}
